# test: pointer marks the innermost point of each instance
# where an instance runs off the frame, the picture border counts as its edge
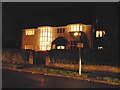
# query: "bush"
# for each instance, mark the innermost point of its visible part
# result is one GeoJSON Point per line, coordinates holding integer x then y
{"type": "Point", "coordinates": [15, 55]}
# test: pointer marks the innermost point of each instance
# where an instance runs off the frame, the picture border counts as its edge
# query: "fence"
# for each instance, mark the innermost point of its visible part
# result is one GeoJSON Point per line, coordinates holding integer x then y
{"type": "Point", "coordinates": [92, 57]}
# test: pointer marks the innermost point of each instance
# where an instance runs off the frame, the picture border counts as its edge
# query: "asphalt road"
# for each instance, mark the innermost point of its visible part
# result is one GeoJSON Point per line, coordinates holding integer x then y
{"type": "Point", "coordinates": [15, 79]}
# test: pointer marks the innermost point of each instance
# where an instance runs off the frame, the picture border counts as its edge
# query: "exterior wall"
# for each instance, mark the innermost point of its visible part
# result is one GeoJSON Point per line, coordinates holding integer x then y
{"type": "Point", "coordinates": [29, 40]}
{"type": "Point", "coordinates": [100, 39]}
{"type": "Point", "coordinates": [35, 39]}
{"type": "Point", "coordinates": [88, 31]}
{"type": "Point", "coordinates": [65, 34]}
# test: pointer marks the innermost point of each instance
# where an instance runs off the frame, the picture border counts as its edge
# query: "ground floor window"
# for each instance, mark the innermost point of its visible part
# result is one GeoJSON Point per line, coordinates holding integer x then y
{"type": "Point", "coordinates": [29, 47]}
{"type": "Point", "coordinates": [100, 47]}
{"type": "Point", "coordinates": [60, 47]}
{"type": "Point", "coordinates": [53, 46]}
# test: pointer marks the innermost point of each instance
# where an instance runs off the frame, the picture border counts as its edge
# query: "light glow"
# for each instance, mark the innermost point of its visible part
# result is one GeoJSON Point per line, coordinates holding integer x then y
{"type": "Point", "coordinates": [76, 34]}
{"type": "Point", "coordinates": [60, 47]}
{"type": "Point", "coordinates": [76, 27]}
{"type": "Point", "coordinates": [81, 28]}
{"type": "Point", "coordinates": [100, 47]}
{"type": "Point", "coordinates": [45, 38]}
{"type": "Point", "coordinates": [29, 47]}
{"type": "Point", "coordinates": [99, 34]}
{"type": "Point", "coordinates": [29, 32]}
{"type": "Point", "coordinates": [53, 47]}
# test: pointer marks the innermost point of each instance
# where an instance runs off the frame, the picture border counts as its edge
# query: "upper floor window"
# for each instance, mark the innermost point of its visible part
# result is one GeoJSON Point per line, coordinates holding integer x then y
{"type": "Point", "coordinates": [100, 33]}
{"type": "Point", "coordinates": [76, 27]}
{"type": "Point", "coordinates": [29, 32]}
{"type": "Point", "coordinates": [61, 30]}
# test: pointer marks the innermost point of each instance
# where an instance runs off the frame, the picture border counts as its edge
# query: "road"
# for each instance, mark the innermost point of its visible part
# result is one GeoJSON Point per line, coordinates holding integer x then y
{"type": "Point", "coordinates": [15, 79]}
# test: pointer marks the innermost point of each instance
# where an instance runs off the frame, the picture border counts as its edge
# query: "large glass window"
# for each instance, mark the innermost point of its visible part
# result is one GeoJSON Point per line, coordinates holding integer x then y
{"type": "Point", "coordinates": [45, 38]}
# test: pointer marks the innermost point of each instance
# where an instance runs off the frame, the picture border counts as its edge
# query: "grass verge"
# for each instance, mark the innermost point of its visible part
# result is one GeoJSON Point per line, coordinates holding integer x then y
{"type": "Point", "coordinates": [44, 69]}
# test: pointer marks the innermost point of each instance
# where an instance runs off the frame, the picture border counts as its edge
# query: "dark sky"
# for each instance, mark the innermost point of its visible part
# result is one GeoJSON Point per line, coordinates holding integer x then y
{"type": "Point", "coordinates": [20, 15]}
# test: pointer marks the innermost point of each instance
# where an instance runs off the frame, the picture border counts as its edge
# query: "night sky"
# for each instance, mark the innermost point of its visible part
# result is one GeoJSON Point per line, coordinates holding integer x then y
{"type": "Point", "coordinates": [20, 15]}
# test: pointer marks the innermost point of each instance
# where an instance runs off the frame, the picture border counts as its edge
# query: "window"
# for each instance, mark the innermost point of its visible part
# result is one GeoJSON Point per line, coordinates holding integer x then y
{"type": "Point", "coordinates": [61, 30]}
{"type": "Point", "coordinates": [100, 33]}
{"type": "Point", "coordinates": [81, 28]}
{"type": "Point", "coordinates": [29, 32]}
{"type": "Point", "coordinates": [60, 47]}
{"type": "Point", "coordinates": [57, 30]}
{"type": "Point", "coordinates": [76, 27]}
{"type": "Point", "coordinates": [100, 48]}
{"type": "Point", "coordinates": [29, 47]}
{"type": "Point", "coordinates": [45, 38]}
{"type": "Point", "coordinates": [53, 46]}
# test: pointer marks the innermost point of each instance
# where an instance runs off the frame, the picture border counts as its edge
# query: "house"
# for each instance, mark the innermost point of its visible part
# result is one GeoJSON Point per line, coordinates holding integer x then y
{"type": "Point", "coordinates": [45, 38]}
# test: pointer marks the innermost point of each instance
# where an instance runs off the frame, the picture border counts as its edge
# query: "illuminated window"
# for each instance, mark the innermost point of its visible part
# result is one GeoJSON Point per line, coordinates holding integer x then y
{"type": "Point", "coordinates": [103, 32]}
{"type": "Point", "coordinates": [76, 34]}
{"type": "Point", "coordinates": [60, 47]}
{"type": "Point", "coordinates": [71, 28]}
{"type": "Point", "coordinates": [100, 33]}
{"type": "Point", "coordinates": [45, 38]}
{"type": "Point", "coordinates": [81, 28]}
{"type": "Point", "coordinates": [76, 27]}
{"type": "Point", "coordinates": [29, 32]}
{"type": "Point", "coordinates": [53, 46]}
{"type": "Point", "coordinates": [29, 47]}
{"type": "Point", "coordinates": [100, 47]}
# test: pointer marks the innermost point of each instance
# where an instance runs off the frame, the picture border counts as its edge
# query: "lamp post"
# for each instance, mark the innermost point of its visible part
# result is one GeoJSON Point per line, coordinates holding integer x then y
{"type": "Point", "coordinates": [80, 45]}
{"type": "Point", "coordinates": [77, 35]}
{"type": "Point", "coordinates": [79, 61]}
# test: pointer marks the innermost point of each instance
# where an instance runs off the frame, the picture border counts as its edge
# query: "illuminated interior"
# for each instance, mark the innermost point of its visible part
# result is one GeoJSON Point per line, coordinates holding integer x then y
{"type": "Point", "coordinates": [100, 33]}
{"type": "Point", "coordinates": [76, 34]}
{"type": "Point", "coordinates": [29, 47]}
{"type": "Point", "coordinates": [76, 27]}
{"type": "Point", "coordinates": [45, 38]}
{"type": "Point", "coordinates": [53, 47]}
{"type": "Point", "coordinates": [60, 47]}
{"type": "Point", "coordinates": [29, 32]}
{"type": "Point", "coordinates": [100, 47]}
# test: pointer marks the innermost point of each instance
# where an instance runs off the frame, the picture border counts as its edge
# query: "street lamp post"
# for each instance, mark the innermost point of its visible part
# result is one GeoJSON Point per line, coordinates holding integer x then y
{"type": "Point", "coordinates": [80, 45]}
{"type": "Point", "coordinates": [79, 61]}
{"type": "Point", "coordinates": [77, 35]}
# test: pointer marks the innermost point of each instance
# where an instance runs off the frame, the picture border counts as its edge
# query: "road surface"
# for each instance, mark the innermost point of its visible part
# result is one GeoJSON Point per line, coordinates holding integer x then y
{"type": "Point", "coordinates": [15, 79]}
